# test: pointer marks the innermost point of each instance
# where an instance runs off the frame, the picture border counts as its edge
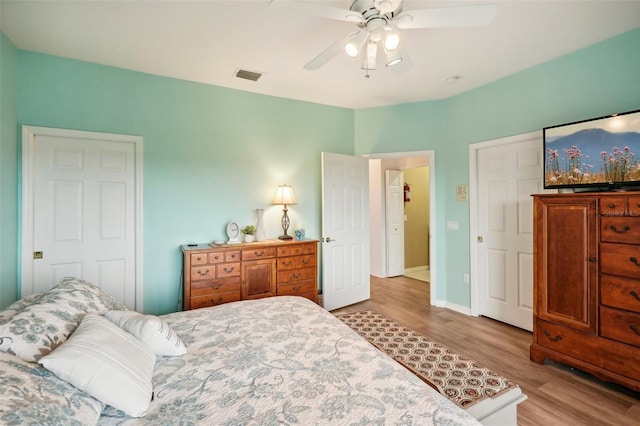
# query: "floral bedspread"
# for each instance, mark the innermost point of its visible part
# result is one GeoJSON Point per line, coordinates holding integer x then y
{"type": "Point", "coordinates": [283, 360]}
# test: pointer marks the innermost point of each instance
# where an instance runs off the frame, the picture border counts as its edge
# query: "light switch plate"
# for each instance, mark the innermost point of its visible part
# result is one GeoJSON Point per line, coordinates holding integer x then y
{"type": "Point", "coordinates": [462, 192]}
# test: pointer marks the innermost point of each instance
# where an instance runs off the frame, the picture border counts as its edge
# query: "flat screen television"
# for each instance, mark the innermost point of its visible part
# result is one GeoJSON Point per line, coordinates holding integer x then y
{"type": "Point", "coordinates": [598, 154]}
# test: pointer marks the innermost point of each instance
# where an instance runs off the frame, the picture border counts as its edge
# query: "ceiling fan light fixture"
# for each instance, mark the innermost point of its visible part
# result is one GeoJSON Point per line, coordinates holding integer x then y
{"type": "Point", "coordinates": [393, 57]}
{"type": "Point", "coordinates": [392, 39]}
{"type": "Point", "coordinates": [354, 45]}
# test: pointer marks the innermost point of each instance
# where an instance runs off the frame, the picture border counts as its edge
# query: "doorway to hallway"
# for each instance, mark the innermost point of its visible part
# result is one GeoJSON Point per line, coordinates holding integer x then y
{"type": "Point", "coordinates": [421, 238]}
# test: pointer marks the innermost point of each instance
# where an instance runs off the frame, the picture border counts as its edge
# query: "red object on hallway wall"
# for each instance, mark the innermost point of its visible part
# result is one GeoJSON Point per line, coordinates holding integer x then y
{"type": "Point", "coordinates": [407, 193]}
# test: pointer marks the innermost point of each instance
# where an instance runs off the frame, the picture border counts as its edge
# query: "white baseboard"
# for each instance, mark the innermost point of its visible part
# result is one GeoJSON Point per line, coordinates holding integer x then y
{"type": "Point", "coordinates": [417, 268]}
{"type": "Point", "coordinates": [458, 308]}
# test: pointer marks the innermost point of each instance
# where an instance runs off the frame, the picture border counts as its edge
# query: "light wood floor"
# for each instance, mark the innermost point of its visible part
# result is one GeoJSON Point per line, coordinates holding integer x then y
{"type": "Point", "coordinates": [557, 395]}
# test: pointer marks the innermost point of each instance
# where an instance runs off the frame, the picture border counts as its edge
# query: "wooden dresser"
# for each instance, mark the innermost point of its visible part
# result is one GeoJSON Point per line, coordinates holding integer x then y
{"type": "Point", "coordinates": [587, 283]}
{"type": "Point", "coordinates": [215, 274]}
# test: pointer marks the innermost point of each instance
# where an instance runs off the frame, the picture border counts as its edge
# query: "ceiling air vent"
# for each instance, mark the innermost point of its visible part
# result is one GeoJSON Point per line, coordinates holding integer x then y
{"type": "Point", "coordinates": [248, 75]}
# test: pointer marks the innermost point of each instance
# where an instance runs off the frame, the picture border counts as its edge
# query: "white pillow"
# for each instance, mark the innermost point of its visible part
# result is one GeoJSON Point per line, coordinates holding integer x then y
{"type": "Point", "coordinates": [106, 362]}
{"type": "Point", "coordinates": [150, 329]}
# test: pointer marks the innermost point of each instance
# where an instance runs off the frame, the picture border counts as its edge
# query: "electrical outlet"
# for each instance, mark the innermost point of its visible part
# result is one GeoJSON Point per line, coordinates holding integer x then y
{"type": "Point", "coordinates": [465, 278]}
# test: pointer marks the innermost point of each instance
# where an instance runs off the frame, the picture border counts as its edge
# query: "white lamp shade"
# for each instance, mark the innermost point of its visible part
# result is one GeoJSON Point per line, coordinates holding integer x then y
{"type": "Point", "coordinates": [392, 39]}
{"type": "Point", "coordinates": [354, 44]}
{"type": "Point", "coordinates": [393, 57]}
{"type": "Point", "coordinates": [284, 195]}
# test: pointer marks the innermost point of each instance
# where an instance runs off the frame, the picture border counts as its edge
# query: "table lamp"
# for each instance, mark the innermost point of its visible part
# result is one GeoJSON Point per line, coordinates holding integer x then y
{"type": "Point", "coordinates": [284, 196]}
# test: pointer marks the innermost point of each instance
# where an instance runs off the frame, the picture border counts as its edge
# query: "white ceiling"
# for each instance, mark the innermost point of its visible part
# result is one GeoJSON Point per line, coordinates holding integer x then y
{"type": "Point", "coordinates": [207, 41]}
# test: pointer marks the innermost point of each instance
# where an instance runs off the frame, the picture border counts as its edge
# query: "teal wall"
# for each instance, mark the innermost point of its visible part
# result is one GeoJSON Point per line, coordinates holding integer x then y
{"type": "Point", "coordinates": [211, 154]}
{"type": "Point", "coordinates": [598, 80]}
{"type": "Point", "coordinates": [8, 171]}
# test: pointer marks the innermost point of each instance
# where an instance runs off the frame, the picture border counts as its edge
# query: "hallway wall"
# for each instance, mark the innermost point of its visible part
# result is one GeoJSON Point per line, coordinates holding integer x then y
{"type": "Point", "coordinates": [416, 227]}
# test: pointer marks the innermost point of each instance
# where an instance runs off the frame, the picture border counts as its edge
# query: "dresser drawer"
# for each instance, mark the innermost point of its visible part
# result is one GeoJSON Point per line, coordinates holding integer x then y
{"type": "Point", "coordinates": [214, 299]}
{"type": "Point", "coordinates": [229, 270]}
{"type": "Point", "coordinates": [285, 263]}
{"type": "Point", "coordinates": [217, 257]}
{"type": "Point", "coordinates": [622, 326]}
{"type": "Point", "coordinates": [622, 293]}
{"type": "Point", "coordinates": [209, 287]}
{"type": "Point", "coordinates": [620, 259]}
{"type": "Point", "coordinates": [296, 249]}
{"type": "Point", "coordinates": [199, 258]}
{"type": "Point", "coordinates": [259, 253]}
{"type": "Point", "coordinates": [203, 272]}
{"type": "Point", "coordinates": [294, 289]}
{"type": "Point", "coordinates": [620, 229]}
{"type": "Point", "coordinates": [232, 256]}
{"type": "Point", "coordinates": [306, 261]}
{"type": "Point", "coordinates": [296, 275]}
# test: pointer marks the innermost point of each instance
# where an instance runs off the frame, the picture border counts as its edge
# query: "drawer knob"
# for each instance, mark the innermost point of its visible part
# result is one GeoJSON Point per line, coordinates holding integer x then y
{"type": "Point", "coordinates": [635, 294]}
{"type": "Point", "coordinates": [296, 275]}
{"type": "Point", "coordinates": [634, 260]}
{"type": "Point", "coordinates": [229, 270]}
{"type": "Point", "coordinates": [199, 258]}
{"type": "Point", "coordinates": [620, 231]}
{"type": "Point", "coordinates": [305, 261]}
{"type": "Point", "coordinates": [298, 287]}
{"type": "Point", "coordinates": [203, 272]}
{"type": "Point", "coordinates": [216, 302]}
{"type": "Point", "coordinates": [286, 262]}
{"type": "Point", "coordinates": [612, 206]}
{"type": "Point", "coordinates": [258, 254]}
{"type": "Point", "coordinates": [592, 259]}
{"type": "Point", "coordinates": [553, 339]}
{"type": "Point", "coordinates": [634, 329]}
{"type": "Point", "coordinates": [215, 285]}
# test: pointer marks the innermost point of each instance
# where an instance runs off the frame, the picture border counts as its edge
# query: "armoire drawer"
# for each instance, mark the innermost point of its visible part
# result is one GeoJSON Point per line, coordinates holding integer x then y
{"type": "Point", "coordinates": [621, 293]}
{"type": "Point", "coordinates": [620, 229]}
{"type": "Point", "coordinates": [623, 326]}
{"type": "Point", "coordinates": [620, 259]}
{"type": "Point", "coordinates": [613, 356]}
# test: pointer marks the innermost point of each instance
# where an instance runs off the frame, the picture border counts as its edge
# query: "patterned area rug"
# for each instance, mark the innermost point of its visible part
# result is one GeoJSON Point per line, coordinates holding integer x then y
{"type": "Point", "coordinates": [461, 379]}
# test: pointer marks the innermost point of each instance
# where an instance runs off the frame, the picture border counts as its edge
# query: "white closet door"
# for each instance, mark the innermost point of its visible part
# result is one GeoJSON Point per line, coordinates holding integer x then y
{"type": "Point", "coordinates": [83, 198]}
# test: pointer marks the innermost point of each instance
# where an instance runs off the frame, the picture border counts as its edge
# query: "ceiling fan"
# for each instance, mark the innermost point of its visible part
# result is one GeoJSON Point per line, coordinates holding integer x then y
{"type": "Point", "coordinates": [378, 22]}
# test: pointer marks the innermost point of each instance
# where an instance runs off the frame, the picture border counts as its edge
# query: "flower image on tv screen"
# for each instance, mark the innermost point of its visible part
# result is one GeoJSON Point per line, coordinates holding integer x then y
{"type": "Point", "coordinates": [601, 153]}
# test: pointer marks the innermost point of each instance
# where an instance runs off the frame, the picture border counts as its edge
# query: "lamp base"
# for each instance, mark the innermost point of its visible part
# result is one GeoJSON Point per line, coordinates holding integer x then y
{"type": "Point", "coordinates": [285, 237]}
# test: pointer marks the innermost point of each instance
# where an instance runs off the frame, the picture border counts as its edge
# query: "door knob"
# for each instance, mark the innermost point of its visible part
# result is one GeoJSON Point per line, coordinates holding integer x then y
{"type": "Point", "coordinates": [328, 240]}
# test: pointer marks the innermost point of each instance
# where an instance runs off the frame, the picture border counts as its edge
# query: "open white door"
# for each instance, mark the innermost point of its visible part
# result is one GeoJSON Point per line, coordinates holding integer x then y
{"type": "Point", "coordinates": [345, 230]}
{"type": "Point", "coordinates": [394, 180]}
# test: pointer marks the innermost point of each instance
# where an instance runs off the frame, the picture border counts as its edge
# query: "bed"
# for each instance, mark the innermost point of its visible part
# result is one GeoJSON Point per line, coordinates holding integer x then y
{"type": "Point", "coordinates": [280, 360]}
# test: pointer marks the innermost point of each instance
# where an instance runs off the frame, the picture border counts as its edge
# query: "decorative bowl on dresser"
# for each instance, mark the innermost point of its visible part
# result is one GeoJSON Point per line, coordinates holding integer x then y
{"type": "Point", "coordinates": [216, 274]}
{"type": "Point", "coordinates": [587, 283]}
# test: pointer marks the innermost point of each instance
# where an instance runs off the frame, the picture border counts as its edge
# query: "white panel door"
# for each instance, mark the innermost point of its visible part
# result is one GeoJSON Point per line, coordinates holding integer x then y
{"type": "Point", "coordinates": [345, 230]}
{"type": "Point", "coordinates": [394, 180]}
{"type": "Point", "coordinates": [84, 213]}
{"type": "Point", "coordinates": [507, 175]}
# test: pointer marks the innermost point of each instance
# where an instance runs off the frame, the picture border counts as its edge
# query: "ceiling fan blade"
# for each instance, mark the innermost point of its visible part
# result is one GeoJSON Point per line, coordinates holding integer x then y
{"type": "Point", "coordinates": [462, 16]}
{"type": "Point", "coordinates": [332, 51]}
{"type": "Point", "coordinates": [319, 10]}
